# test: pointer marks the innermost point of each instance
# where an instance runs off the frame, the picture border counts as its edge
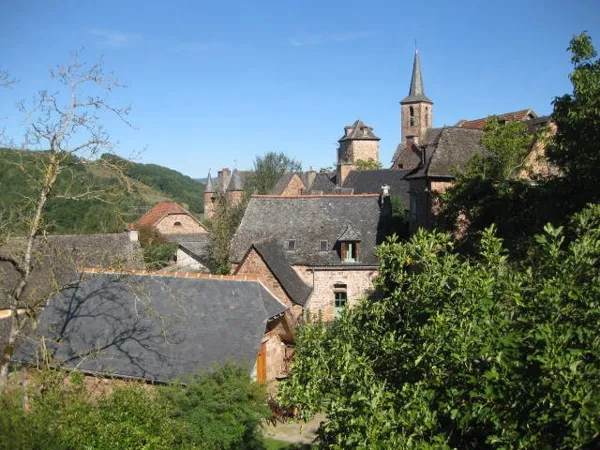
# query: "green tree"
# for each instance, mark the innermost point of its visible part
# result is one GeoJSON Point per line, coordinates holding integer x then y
{"type": "Point", "coordinates": [221, 227]}
{"type": "Point", "coordinates": [469, 353]}
{"type": "Point", "coordinates": [577, 117]}
{"type": "Point", "coordinates": [368, 164]}
{"type": "Point", "coordinates": [158, 250]}
{"type": "Point", "coordinates": [268, 169]}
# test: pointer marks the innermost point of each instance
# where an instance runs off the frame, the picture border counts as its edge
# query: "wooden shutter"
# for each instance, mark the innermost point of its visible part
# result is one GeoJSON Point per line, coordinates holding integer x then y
{"type": "Point", "coordinates": [261, 363]}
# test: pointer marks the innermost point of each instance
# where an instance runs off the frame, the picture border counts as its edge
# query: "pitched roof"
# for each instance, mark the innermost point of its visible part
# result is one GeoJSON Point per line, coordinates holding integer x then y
{"type": "Point", "coordinates": [155, 328]}
{"type": "Point", "coordinates": [479, 124]}
{"type": "Point", "coordinates": [416, 93]}
{"type": "Point", "coordinates": [371, 181]}
{"type": "Point", "coordinates": [159, 212]}
{"type": "Point", "coordinates": [274, 257]}
{"type": "Point", "coordinates": [195, 244]}
{"type": "Point", "coordinates": [57, 257]}
{"type": "Point", "coordinates": [235, 184]}
{"type": "Point", "coordinates": [208, 187]}
{"type": "Point", "coordinates": [309, 219]}
{"type": "Point", "coordinates": [359, 131]}
{"type": "Point", "coordinates": [451, 151]}
{"type": "Point", "coordinates": [349, 234]}
{"type": "Point", "coordinates": [410, 157]}
{"type": "Point", "coordinates": [321, 184]}
{"type": "Point", "coordinates": [282, 183]}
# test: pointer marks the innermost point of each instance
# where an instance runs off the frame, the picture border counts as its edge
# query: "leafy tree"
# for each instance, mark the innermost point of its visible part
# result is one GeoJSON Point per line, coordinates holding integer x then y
{"type": "Point", "coordinates": [268, 169]}
{"type": "Point", "coordinates": [577, 116]}
{"type": "Point", "coordinates": [222, 226]}
{"type": "Point", "coordinates": [469, 353]}
{"type": "Point", "coordinates": [368, 164]}
{"type": "Point", "coordinates": [158, 250]}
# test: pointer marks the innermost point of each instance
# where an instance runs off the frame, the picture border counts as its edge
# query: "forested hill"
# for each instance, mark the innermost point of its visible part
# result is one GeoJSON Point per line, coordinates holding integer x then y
{"type": "Point", "coordinates": [119, 201]}
{"type": "Point", "coordinates": [181, 188]}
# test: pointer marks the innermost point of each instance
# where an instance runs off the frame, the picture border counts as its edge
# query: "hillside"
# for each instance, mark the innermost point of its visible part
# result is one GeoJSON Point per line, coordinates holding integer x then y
{"type": "Point", "coordinates": [122, 200]}
{"type": "Point", "coordinates": [183, 189]}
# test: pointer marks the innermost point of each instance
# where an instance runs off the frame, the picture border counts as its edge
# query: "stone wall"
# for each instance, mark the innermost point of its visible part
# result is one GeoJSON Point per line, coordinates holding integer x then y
{"type": "Point", "coordinates": [364, 150]}
{"type": "Point", "coordinates": [358, 283]}
{"type": "Point", "coordinates": [189, 225]}
{"type": "Point", "coordinates": [423, 114]}
{"type": "Point", "coordinates": [209, 205]}
{"type": "Point", "coordinates": [254, 264]}
{"type": "Point", "coordinates": [294, 187]}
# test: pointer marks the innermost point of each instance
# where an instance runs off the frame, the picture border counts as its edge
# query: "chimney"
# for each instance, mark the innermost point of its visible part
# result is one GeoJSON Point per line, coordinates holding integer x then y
{"type": "Point", "coordinates": [225, 177]}
{"type": "Point", "coordinates": [385, 202]}
{"type": "Point", "coordinates": [310, 177]}
{"type": "Point", "coordinates": [134, 235]}
{"type": "Point", "coordinates": [385, 190]}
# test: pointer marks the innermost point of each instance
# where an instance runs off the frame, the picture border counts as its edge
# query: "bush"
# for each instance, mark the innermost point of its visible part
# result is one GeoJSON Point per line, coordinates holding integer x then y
{"type": "Point", "coordinates": [469, 353]}
{"type": "Point", "coordinates": [220, 410]}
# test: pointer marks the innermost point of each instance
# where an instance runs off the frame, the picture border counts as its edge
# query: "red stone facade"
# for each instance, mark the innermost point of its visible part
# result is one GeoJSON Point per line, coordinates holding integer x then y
{"type": "Point", "coordinates": [179, 224]}
{"type": "Point", "coordinates": [294, 187]}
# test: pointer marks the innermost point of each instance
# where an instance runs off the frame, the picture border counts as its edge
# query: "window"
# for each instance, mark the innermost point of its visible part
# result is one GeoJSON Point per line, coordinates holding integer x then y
{"type": "Point", "coordinates": [426, 117]}
{"type": "Point", "coordinates": [349, 252]}
{"type": "Point", "coordinates": [177, 224]}
{"type": "Point", "coordinates": [341, 300]}
{"type": "Point", "coordinates": [411, 116]}
{"type": "Point", "coordinates": [324, 246]}
{"type": "Point", "coordinates": [291, 245]}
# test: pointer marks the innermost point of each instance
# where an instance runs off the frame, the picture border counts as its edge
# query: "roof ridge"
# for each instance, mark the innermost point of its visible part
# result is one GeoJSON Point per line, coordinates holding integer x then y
{"type": "Point", "coordinates": [177, 274]}
{"type": "Point", "coordinates": [313, 196]}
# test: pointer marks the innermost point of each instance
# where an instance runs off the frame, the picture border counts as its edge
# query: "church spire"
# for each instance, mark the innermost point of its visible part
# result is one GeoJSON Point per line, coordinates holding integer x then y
{"type": "Point", "coordinates": [416, 92]}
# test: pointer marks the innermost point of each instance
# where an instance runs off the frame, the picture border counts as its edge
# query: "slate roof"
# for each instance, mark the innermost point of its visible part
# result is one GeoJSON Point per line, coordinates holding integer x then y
{"type": "Point", "coordinates": [195, 244]}
{"type": "Point", "coordinates": [452, 151]}
{"type": "Point", "coordinates": [208, 187]}
{"type": "Point", "coordinates": [370, 182]}
{"type": "Point", "coordinates": [479, 124]}
{"type": "Point", "coordinates": [350, 234]}
{"type": "Point", "coordinates": [416, 93]}
{"type": "Point", "coordinates": [290, 281]}
{"type": "Point", "coordinates": [322, 184]}
{"type": "Point", "coordinates": [308, 219]}
{"type": "Point", "coordinates": [57, 257]}
{"type": "Point", "coordinates": [159, 212]}
{"type": "Point", "coordinates": [235, 184]}
{"type": "Point", "coordinates": [410, 157]}
{"type": "Point", "coordinates": [154, 328]}
{"type": "Point", "coordinates": [359, 131]}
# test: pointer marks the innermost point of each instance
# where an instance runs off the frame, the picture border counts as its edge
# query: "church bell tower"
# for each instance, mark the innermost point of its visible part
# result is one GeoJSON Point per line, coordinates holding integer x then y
{"type": "Point", "coordinates": [416, 110]}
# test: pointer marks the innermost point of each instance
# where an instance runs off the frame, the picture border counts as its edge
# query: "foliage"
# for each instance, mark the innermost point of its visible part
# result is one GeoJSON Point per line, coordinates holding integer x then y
{"type": "Point", "coordinates": [158, 250]}
{"type": "Point", "coordinates": [62, 215]}
{"type": "Point", "coordinates": [479, 353]}
{"type": "Point", "coordinates": [268, 169]}
{"type": "Point", "coordinates": [220, 410]}
{"type": "Point", "coordinates": [577, 117]}
{"type": "Point", "coordinates": [221, 228]}
{"type": "Point", "coordinates": [181, 188]}
{"type": "Point", "coordinates": [369, 164]}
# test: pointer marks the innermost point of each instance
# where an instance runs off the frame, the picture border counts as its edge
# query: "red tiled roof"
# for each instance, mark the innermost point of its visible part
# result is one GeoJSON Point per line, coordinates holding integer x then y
{"type": "Point", "coordinates": [159, 212]}
{"type": "Point", "coordinates": [478, 124]}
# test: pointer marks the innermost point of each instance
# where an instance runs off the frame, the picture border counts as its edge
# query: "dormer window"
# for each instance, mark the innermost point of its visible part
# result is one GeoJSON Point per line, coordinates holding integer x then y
{"type": "Point", "coordinates": [349, 252]}
{"type": "Point", "coordinates": [178, 224]}
{"type": "Point", "coordinates": [349, 242]}
{"type": "Point", "coordinates": [291, 245]}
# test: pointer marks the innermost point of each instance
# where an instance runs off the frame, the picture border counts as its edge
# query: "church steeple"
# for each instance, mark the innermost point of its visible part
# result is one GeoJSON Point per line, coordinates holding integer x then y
{"type": "Point", "coordinates": [416, 108]}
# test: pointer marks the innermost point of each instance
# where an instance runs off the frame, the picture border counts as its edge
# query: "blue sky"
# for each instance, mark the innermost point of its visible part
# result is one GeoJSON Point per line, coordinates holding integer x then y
{"type": "Point", "coordinates": [214, 83]}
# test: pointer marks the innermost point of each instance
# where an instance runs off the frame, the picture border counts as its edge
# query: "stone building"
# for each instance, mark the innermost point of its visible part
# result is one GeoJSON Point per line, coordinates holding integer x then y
{"type": "Point", "coordinates": [170, 218]}
{"type": "Point", "coordinates": [315, 252]}
{"type": "Point", "coordinates": [227, 183]}
{"type": "Point", "coordinates": [429, 157]}
{"type": "Point", "coordinates": [358, 143]}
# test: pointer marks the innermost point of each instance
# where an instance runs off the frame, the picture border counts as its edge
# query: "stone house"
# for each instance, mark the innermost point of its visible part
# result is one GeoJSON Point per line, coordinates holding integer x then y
{"type": "Point", "coordinates": [159, 328]}
{"type": "Point", "coordinates": [315, 252]}
{"type": "Point", "coordinates": [170, 218]}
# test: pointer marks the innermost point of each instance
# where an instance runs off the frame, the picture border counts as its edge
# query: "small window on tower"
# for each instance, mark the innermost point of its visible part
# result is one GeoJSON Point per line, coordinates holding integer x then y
{"type": "Point", "coordinates": [426, 117]}
{"type": "Point", "coordinates": [411, 116]}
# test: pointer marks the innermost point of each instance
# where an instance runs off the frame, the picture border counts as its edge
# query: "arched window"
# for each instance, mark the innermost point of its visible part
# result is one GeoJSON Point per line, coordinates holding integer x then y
{"type": "Point", "coordinates": [427, 116]}
{"type": "Point", "coordinates": [411, 115]}
{"type": "Point", "coordinates": [177, 224]}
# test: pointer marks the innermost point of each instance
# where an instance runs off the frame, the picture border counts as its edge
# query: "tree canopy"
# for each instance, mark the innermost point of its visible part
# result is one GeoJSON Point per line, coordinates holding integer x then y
{"type": "Point", "coordinates": [456, 352]}
{"type": "Point", "coordinates": [268, 169]}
